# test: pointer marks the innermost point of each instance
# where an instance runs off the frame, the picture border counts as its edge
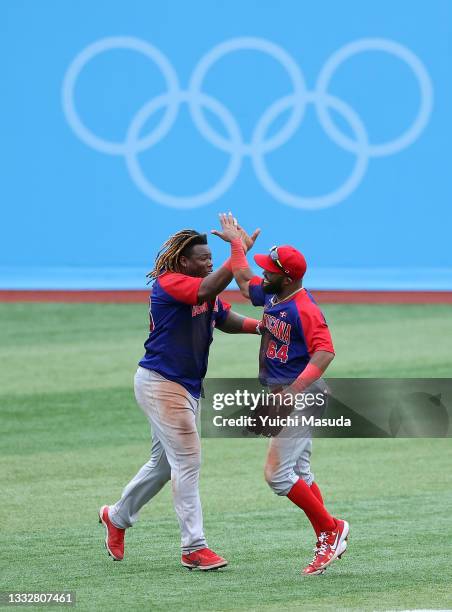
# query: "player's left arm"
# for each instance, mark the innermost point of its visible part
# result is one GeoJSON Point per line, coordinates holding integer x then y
{"type": "Point", "coordinates": [235, 323]}
{"type": "Point", "coordinates": [213, 284]}
{"type": "Point", "coordinates": [319, 345]}
{"type": "Point", "coordinates": [231, 232]}
{"type": "Point", "coordinates": [321, 359]}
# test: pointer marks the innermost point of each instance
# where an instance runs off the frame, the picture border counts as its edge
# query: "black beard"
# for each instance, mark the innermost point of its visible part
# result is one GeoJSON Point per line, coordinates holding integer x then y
{"type": "Point", "coordinates": [274, 287]}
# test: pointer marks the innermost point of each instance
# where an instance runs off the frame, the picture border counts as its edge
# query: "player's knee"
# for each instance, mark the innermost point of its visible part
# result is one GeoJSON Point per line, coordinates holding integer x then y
{"type": "Point", "coordinates": [277, 479]}
{"type": "Point", "coordinates": [268, 474]}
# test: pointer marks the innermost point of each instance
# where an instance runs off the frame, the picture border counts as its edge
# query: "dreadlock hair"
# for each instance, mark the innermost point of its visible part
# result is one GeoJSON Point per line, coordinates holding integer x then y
{"type": "Point", "coordinates": [177, 245]}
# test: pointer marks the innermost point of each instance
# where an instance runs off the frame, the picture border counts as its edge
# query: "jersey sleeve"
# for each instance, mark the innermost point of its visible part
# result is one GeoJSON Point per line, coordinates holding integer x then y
{"type": "Point", "coordinates": [315, 330]}
{"type": "Point", "coordinates": [257, 294]}
{"type": "Point", "coordinates": [181, 287]}
{"type": "Point", "coordinates": [222, 312]}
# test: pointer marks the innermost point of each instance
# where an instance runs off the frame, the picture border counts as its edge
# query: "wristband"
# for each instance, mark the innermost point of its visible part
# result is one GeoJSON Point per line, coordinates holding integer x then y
{"type": "Point", "coordinates": [250, 326]}
{"type": "Point", "coordinates": [306, 378]}
{"type": "Point", "coordinates": [238, 259]}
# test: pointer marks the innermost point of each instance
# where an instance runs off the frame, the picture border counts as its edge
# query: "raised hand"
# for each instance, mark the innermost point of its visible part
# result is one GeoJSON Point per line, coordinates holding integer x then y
{"type": "Point", "coordinates": [231, 230]}
{"type": "Point", "coordinates": [247, 240]}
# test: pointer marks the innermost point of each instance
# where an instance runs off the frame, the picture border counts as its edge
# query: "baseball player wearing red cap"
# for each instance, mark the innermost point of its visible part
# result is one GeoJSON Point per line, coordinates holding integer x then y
{"type": "Point", "coordinates": [296, 349]}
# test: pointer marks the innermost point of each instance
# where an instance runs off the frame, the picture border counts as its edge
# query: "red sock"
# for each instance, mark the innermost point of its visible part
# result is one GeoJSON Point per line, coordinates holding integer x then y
{"type": "Point", "coordinates": [315, 489]}
{"type": "Point", "coordinates": [301, 495]}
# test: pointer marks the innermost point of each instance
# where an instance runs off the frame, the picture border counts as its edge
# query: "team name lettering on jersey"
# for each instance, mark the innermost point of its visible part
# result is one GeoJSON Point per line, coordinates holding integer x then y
{"type": "Point", "coordinates": [199, 309]}
{"type": "Point", "coordinates": [279, 328]}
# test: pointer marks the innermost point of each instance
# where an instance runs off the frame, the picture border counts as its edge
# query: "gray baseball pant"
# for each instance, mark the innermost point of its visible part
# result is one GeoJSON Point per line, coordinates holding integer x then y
{"type": "Point", "coordinates": [175, 456]}
{"type": "Point", "coordinates": [289, 453]}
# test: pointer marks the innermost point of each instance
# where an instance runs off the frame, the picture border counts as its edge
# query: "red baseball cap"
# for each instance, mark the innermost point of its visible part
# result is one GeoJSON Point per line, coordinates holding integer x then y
{"type": "Point", "coordinates": [283, 260]}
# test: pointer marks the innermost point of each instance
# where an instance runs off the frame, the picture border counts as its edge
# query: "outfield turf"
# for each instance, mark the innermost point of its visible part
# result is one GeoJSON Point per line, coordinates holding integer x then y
{"type": "Point", "coordinates": [72, 436]}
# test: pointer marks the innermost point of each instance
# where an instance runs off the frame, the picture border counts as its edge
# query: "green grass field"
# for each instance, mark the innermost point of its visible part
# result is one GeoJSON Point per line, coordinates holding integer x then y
{"type": "Point", "coordinates": [72, 436]}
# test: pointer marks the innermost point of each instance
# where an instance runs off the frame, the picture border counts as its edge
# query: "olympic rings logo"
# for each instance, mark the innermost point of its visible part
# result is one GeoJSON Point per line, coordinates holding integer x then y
{"type": "Point", "coordinates": [260, 144]}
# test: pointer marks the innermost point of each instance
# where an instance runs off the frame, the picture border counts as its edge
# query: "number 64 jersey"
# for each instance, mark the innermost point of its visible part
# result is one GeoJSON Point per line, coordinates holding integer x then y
{"type": "Point", "coordinates": [292, 331]}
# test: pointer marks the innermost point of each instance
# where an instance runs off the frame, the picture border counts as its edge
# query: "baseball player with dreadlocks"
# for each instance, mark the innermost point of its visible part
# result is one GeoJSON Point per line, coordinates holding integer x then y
{"type": "Point", "coordinates": [184, 309]}
{"type": "Point", "coordinates": [296, 348]}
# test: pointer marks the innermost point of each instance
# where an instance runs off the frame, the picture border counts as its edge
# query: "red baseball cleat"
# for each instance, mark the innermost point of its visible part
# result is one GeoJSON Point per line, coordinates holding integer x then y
{"type": "Point", "coordinates": [331, 545]}
{"type": "Point", "coordinates": [114, 542]}
{"type": "Point", "coordinates": [342, 550]}
{"type": "Point", "coordinates": [203, 559]}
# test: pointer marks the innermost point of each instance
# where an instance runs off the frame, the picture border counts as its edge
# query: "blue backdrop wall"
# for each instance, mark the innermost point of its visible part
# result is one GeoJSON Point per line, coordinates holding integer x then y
{"type": "Point", "coordinates": [325, 123]}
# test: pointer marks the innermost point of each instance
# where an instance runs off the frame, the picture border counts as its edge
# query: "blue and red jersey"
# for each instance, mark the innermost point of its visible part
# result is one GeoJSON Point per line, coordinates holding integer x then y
{"type": "Point", "coordinates": [181, 330]}
{"type": "Point", "coordinates": [293, 330]}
